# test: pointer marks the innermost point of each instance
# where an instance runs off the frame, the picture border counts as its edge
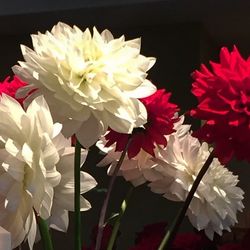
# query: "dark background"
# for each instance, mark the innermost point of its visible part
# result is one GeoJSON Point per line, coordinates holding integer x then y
{"type": "Point", "coordinates": [180, 34]}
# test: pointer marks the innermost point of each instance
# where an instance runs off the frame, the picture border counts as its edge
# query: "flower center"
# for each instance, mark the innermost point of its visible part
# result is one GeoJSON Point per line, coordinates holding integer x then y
{"type": "Point", "coordinates": [139, 130]}
{"type": "Point", "coordinates": [242, 105]}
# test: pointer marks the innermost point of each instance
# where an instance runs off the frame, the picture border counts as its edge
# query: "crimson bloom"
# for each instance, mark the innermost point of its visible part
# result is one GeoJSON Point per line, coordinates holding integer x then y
{"type": "Point", "coordinates": [152, 235]}
{"type": "Point", "coordinates": [243, 245]}
{"type": "Point", "coordinates": [161, 119]}
{"type": "Point", "coordinates": [223, 94]}
{"type": "Point", "coordinates": [105, 239]}
{"type": "Point", "coordinates": [10, 87]}
{"type": "Point", "coordinates": [232, 246]}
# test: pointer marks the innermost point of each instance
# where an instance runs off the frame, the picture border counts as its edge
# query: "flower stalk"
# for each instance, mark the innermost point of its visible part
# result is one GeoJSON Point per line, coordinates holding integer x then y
{"type": "Point", "coordinates": [170, 234]}
{"type": "Point", "coordinates": [118, 220]}
{"type": "Point", "coordinates": [45, 235]}
{"type": "Point", "coordinates": [77, 165]}
{"type": "Point", "coordinates": [101, 223]}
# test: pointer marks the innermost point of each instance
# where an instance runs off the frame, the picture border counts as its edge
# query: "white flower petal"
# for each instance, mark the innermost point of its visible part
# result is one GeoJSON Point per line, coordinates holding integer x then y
{"type": "Point", "coordinates": [27, 154]}
{"type": "Point", "coordinates": [14, 168]}
{"type": "Point", "coordinates": [65, 200]}
{"type": "Point", "coordinates": [59, 219]}
{"type": "Point", "coordinates": [87, 182]}
{"type": "Point", "coordinates": [13, 198]}
{"type": "Point", "coordinates": [46, 205]}
{"type": "Point", "coordinates": [57, 128]}
{"type": "Point", "coordinates": [50, 154]}
{"type": "Point", "coordinates": [84, 204]}
{"type": "Point", "coordinates": [13, 148]}
{"type": "Point", "coordinates": [145, 89]}
{"type": "Point", "coordinates": [6, 182]}
{"type": "Point", "coordinates": [5, 239]}
{"type": "Point", "coordinates": [39, 110]}
{"type": "Point", "coordinates": [89, 132]}
{"type": "Point", "coordinates": [32, 230]}
{"type": "Point", "coordinates": [14, 225]}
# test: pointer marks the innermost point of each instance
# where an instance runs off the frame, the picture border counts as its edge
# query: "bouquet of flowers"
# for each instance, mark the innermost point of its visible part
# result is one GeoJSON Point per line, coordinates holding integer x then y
{"type": "Point", "coordinates": [75, 89]}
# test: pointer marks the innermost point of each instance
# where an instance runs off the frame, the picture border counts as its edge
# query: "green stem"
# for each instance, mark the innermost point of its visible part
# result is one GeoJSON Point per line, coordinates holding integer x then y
{"type": "Point", "coordinates": [101, 223]}
{"type": "Point", "coordinates": [170, 234]}
{"type": "Point", "coordinates": [45, 235]}
{"type": "Point", "coordinates": [77, 213]}
{"type": "Point", "coordinates": [118, 220]}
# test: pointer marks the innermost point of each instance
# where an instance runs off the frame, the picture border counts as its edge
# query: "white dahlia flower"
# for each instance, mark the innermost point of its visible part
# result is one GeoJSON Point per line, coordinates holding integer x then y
{"type": "Point", "coordinates": [140, 168]}
{"type": "Point", "coordinates": [31, 147]}
{"type": "Point", "coordinates": [91, 82]}
{"type": "Point", "coordinates": [217, 199]}
{"type": "Point", "coordinates": [64, 192]}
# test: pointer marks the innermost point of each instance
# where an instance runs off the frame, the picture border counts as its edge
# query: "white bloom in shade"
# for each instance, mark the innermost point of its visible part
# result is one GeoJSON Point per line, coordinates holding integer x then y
{"type": "Point", "coordinates": [217, 199]}
{"type": "Point", "coordinates": [140, 168]}
{"type": "Point", "coordinates": [91, 82]}
{"type": "Point", "coordinates": [5, 239]}
{"type": "Point", "coordinates": [64, 192]}
{"type": "Point", "coordinates": [31, 146]}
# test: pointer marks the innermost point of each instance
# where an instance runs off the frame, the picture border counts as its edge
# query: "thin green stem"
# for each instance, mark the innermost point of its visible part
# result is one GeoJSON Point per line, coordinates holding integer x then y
{"type": "Point", "coordinates": [77, 213]}
{"type": "Point", "coordinates": [118, 220]}
{"type": "Point", "coordinates": [170, 234]}
{"type": "Point", "coordinates": [45, 235]}
{"type": "Point", "coordinates": [101, 223]}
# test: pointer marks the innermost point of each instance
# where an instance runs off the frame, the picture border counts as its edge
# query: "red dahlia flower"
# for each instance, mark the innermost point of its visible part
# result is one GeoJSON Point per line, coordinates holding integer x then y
{"type": "Point", "coordinates": [10, 87]}
{"type": "Point", "coordinates": [232, 246]}
{"type": "Point", "coordinates": [152, 230]}
{"type": "Point", "coordinates": [152, 235]}
{"type": "Point", "coordinates": [223, 94]}
{"type": "Point", "coordinates": [159, 124]}
{"type": "Point", "coordinates": [243, 245]}
{"type": "Point", "coordinates": [105, 239]}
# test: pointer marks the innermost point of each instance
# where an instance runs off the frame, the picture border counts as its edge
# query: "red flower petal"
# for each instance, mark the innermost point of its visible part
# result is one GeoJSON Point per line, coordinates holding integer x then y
{"type": "Point", "coordinates": [160, 123]}
{"type": "Point", "coordinates": [10, 87]}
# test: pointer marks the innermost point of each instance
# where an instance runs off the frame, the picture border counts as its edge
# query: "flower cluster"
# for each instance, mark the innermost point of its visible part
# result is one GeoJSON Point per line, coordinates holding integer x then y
{"type": "Point", "coordinates": [86, 88]}
{"type": "Point", "coordinates": [172, 173]}
{"type": "Point", "coordinates": [145, 141]}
